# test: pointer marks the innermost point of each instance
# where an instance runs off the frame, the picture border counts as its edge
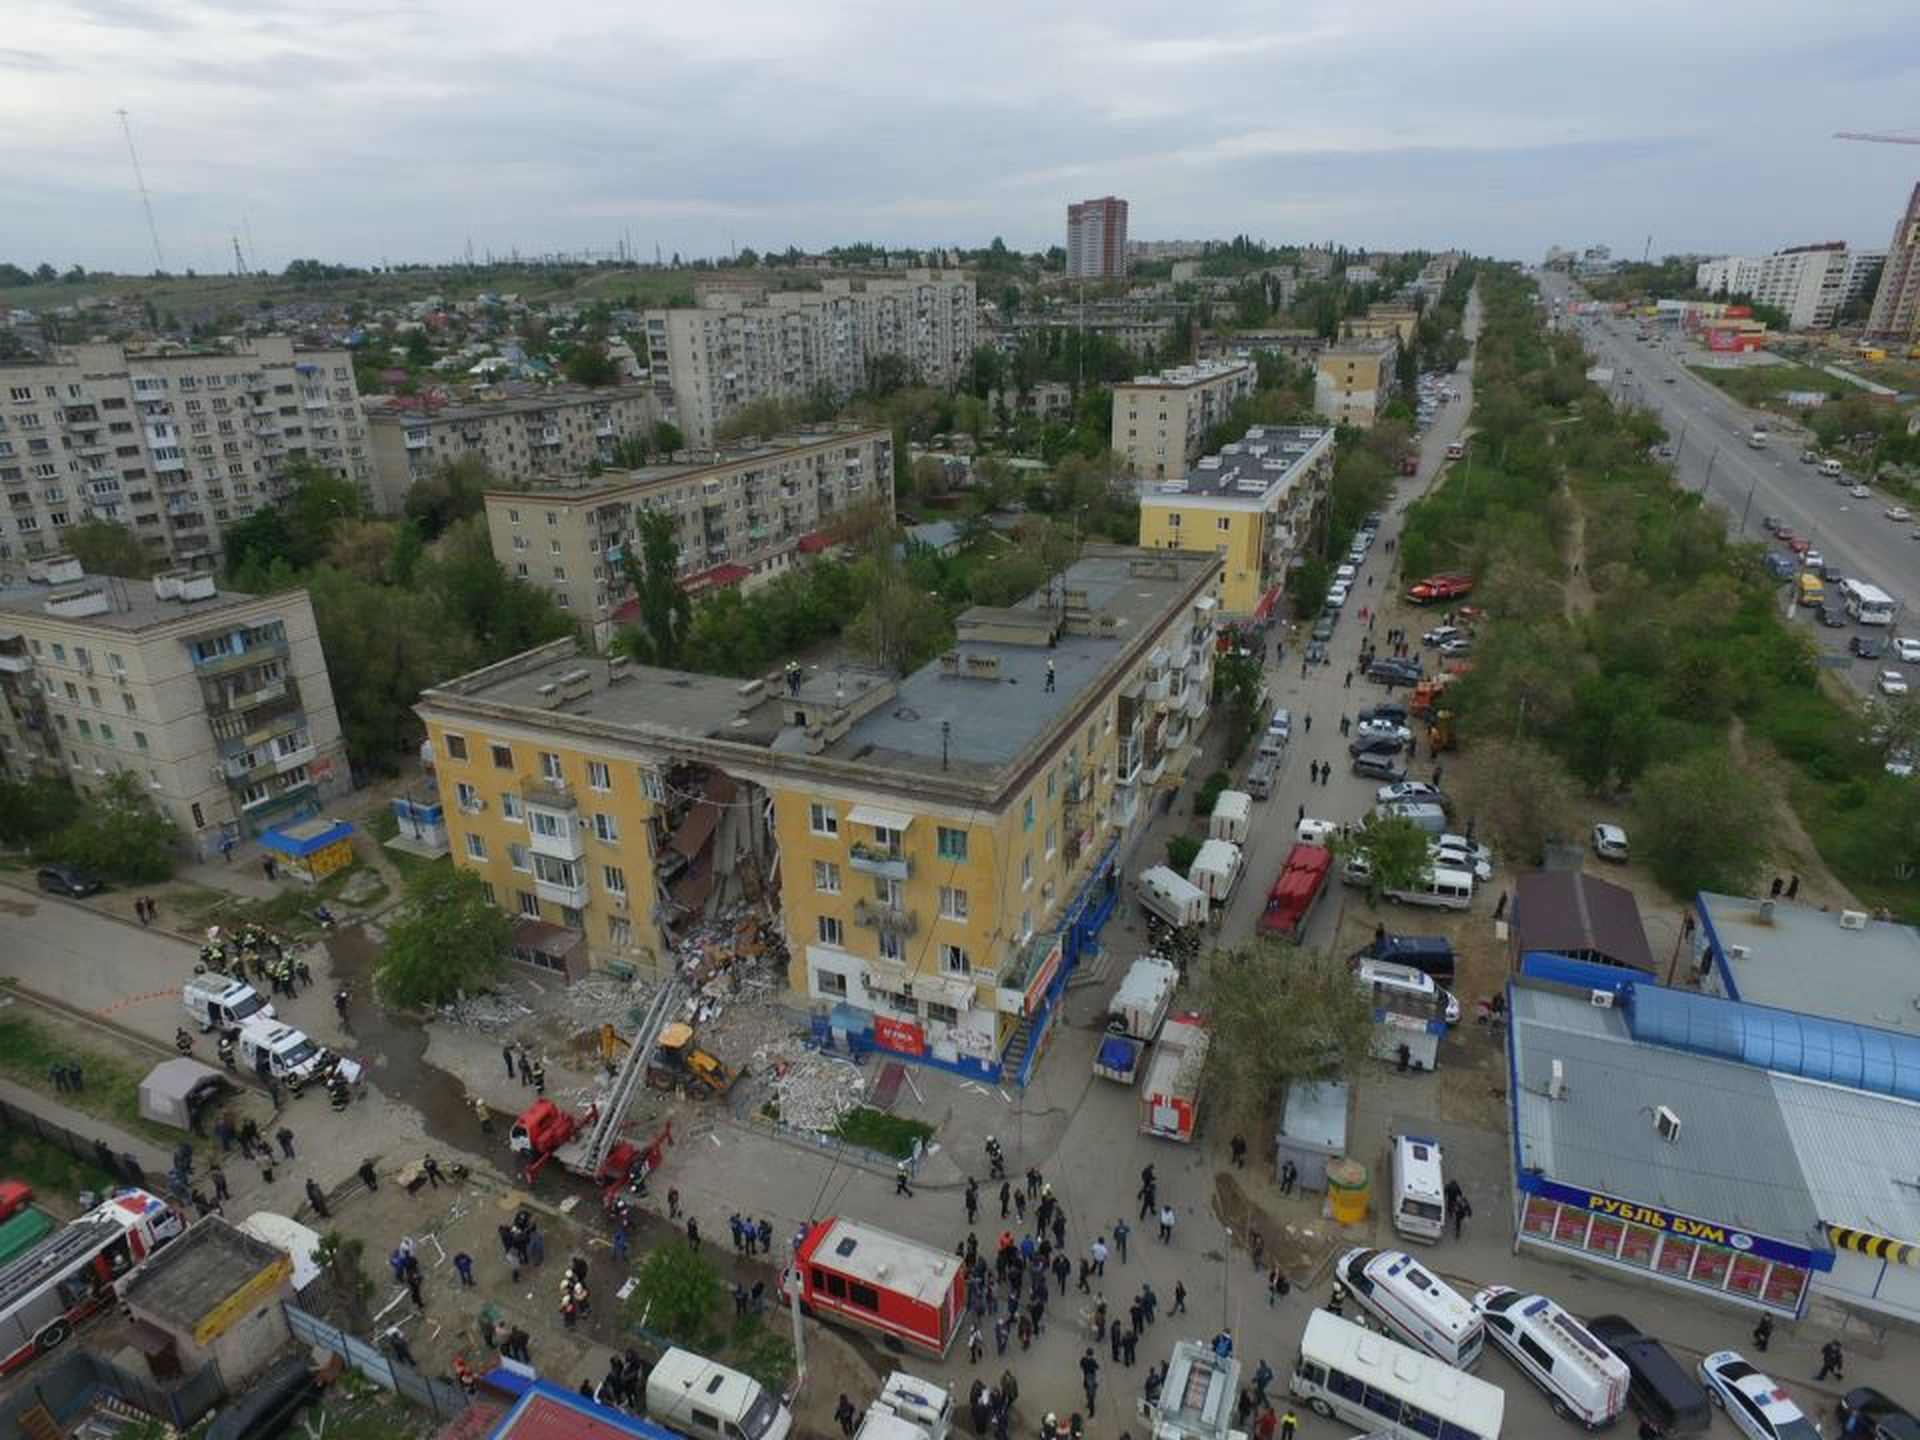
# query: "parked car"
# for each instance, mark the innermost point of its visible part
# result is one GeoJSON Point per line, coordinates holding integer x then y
{"type": "Point", "coordinates": [1661, 1391]}
{"type": "Point", "coordinates": [68, 880]}
{"type": "Point", "coordinates": [1831, 616]}
{"type": "Point", "coordinates": [1323, 628]}
{"type": "Point", "coordinates": [1281, 724]}
{"type": "Point", "coordinates": [1440, 634]}
{"type": "Point", "coordinates": [1383, 730]}
{"type": "Point", "coordinates": [1861, 492]}
{"type": "Point", "coordinates": [1892, 682]}
{"type": "Point", "coordinates": [1316, 652]}
{"type": "Point", "coordinates": [1400, 672]}
{"type": "Point", "coordinates": [1455, 649]}
{"type": "Point", "coordinates": [1378, 767]}
{"type": "Point", "coordinates": [1406, 790]}
{"type": "Point", "coordinates": [1809, 457]}
{"type": "Point", "coordinates": [1867, 647]}
{"type": "Point", "coordinates": [1754, 1401]}
{"type": "Point", "coordinates": [1376, 745]}
{"type": "Point", "coordinates": [1898, 512]}
{"type": "Point", "coordinates": [1386, 710]}
{"type": "Point", "coordinates": [1813, 560]}
{"type": "Point", "coordinates": [1770, 524]}
{"type": "Point", "coordinates": [1864, 1410]}
{"type": "Point", "coordinates": [1610, 842]}
{"type": "Point", "coordinates": [1799, 544]}
{"type": "Point", "coordinates": [1907, 648]}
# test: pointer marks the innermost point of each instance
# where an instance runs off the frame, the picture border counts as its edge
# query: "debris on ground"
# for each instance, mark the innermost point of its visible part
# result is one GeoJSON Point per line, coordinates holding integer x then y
{"type": "Point", "coordinates": [812, 1090]}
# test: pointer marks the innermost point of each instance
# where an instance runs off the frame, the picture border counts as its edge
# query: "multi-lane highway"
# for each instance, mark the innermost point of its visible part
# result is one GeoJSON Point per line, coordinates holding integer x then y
{"type": "Point", "coordinates": [1710, 430]}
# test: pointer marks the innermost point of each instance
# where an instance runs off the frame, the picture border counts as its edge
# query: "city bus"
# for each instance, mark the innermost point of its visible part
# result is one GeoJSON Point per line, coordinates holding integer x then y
{"type": "Point", "coordinates": [1868, 604]}
{"type": "Point", "coordinates": [1351, 1374]}
{"type": "Point", "coordinates": [68, 1276]}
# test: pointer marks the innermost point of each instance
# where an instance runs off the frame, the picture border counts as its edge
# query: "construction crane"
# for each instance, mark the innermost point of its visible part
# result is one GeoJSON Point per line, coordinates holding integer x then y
{"type": "Point", "coordinates": [1874, 139]}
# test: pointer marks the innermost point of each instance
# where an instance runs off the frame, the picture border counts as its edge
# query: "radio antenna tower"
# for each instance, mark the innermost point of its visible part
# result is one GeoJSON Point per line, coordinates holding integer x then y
{"type": "Point", "coordinates": [159, 257]}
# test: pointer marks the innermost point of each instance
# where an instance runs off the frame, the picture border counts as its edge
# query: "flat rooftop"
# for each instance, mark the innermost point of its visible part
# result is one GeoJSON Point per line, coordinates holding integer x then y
{"type": "Point", "coordinates": [131, 604]}
{"type": "Point", "coordinates": [593, 488]}
{"type": "Point", "coordinates": [196, 1274]}
{"type": "Point", "coordinates": [1248, 471]}
{"type": "Point", "coordinates": [1734, 1162]}
{"type": "Point", "coordinates": [1181, 377]}
{"type": "Point", "coordinates": [551, 399]}
{"type": "Point", "coordinates": [1800, 958]}
{"type": "Point", "coordinates": [969, 714]}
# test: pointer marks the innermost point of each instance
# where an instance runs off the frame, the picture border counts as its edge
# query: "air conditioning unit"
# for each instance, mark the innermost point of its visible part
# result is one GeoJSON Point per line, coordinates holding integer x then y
{"type": "Point", "coordinates": [1600, 999]}
{"type": "Point", "coordinates": [1668, 1124]}
{"type": "Point", "coordinates": [1739, 952]}
{"type": "Point", "coordinates": [1853, 919]}
{"type": "Point", "coordinates": [1557, 1081]}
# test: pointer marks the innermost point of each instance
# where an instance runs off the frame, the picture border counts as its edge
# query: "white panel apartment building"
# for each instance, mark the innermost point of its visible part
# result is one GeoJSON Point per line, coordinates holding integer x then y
{"type": "Point", "coordinates": [1161, 422]}
{"type": "Point", "coordinates": [217, 703]}
{"type": "Point", "coordinates": [741, 343]}
{"type": "Point", "coordinates": [1811, 283]}
{"type": "Point", "coordinates": [520, 437]}
{"type": "Point", "coordinates": [174, 444]}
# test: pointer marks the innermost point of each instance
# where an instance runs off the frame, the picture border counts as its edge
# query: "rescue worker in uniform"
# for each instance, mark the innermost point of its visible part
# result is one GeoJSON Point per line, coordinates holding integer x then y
{"type": "Point", "coordinates": [226, 1050]}
{"type": "Point", "coordinates": [338, 1090]}
{"type": "Point", "coordinates": [183, 1042]}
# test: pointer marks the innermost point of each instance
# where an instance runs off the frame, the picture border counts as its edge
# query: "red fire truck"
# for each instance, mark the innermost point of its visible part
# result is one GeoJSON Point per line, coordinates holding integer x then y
{"type": "Point", "coordinates": [1301, 882]}
{"type": "Point", "coordinates": [862, 1275]}
{"type": "Point", "coordinates": [1170, 1095]}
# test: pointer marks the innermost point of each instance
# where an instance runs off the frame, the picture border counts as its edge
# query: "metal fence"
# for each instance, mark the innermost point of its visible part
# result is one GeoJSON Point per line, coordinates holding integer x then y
{"type": "Point", "coordinates": [444, 1398]}
{"type": "Point", "coordinates": [17, 1117]}
{"type": "Point", "coordinates": [65, 1383]}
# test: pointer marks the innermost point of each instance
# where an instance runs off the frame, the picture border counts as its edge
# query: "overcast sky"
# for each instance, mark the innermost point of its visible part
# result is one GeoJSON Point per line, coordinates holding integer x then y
{"type": "Point", "coordinates": [353, 131]}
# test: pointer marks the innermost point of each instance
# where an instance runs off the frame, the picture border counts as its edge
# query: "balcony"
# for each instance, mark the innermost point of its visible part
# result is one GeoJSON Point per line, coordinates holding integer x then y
{"type": "Point", "coordinates": [562, 838]}
{"type": "Point", "coordinates": [574, 896]}
{"type": "Point", "coordinates": [882, 864]}
{"type": "Point", "coordinates": [257, 650]}
{"type": "Point", "coordinates": [872, 915]}
{"type": "Point", "coordinates": [417, 440]}
{"type": "Point", "coordinates": [294, 759]}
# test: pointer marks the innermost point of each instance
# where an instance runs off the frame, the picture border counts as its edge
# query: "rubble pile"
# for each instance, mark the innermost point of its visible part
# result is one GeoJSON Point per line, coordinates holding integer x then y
{"type": "Point", "coordinates": [813, 1091]}
{"type": "Point", "coordinates": [491, 1012]}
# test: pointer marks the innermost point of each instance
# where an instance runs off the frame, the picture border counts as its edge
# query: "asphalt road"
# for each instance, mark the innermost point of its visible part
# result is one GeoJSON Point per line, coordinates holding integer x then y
{"type": "Point", "coordinates": [1710, 429]}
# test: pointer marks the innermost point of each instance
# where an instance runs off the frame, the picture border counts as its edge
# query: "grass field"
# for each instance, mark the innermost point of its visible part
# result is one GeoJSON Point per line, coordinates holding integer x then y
{"type": "Point", "coordinates": [30, 1048]}
{"type": "Point", "coordinates": [56, 1176]}
{"type": "Point", "coordinates": [1766, 385]}
{"type": "Point", "coordinates": [888, 1134]}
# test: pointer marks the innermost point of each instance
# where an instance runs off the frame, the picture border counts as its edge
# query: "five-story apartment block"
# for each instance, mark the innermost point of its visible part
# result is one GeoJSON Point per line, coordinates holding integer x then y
{"type": "Point", "coordinates": [175, 444]}
{"type": "Point", "coordinates": [1161, 422]}
{"type": "Point", "coordinates": [218, 704]}
{"type": "Point", "coordinates": [741, 517]}
{"type": "Point", "coordinates": [522, 438]}
{"type": "Point", "coordinates": [740, 343]}
{"type": "Point", "coordinates": [938, 847]}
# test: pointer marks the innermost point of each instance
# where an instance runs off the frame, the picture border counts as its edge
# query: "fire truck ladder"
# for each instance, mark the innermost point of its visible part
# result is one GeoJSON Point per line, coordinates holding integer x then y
{"type": "Point", "coordinates": [54, 1255]}
{"type": "Point", "coordinates": [631, 1077]}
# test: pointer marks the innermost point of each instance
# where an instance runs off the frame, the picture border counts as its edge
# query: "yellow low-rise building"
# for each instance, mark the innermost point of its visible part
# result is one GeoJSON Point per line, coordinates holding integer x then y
{"type": "Point", "coordinates": [1353, 380]}
{"type": "Point", "coordinates": [1253, 504]}
{"type": "Point", "coordinates": [937, 847]}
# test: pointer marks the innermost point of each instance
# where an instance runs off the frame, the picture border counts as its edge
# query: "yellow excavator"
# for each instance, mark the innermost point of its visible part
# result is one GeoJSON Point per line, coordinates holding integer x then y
{"type": "Point", "coordinates": [677, 1063]}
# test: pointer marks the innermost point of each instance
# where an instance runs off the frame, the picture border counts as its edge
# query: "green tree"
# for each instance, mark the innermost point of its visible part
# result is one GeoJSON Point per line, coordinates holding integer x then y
{"type": "Point", "coordinates": [1182, 851]}
{"type": "Point", "coordinates": [1702, 824]}
{"type": "Point", "coordinates": [1237, 683]}
{"type": "Point", "coordinates": [447, 940]}
{"type": "Point", "coordinates": [479, 599]}
{"type": "Point", "coordinates": [1528, 802]}
{"type": "Point", "coordinates": [33, 808]}
{"type": "Point", "coordinates": [675, 1292]}
{"type": "Point", "coordinates": [383, 647]}
{"type": "Point", "coordinates": [119, 836]}
{"type": "Point", "coordinates": [1398, 852]}
{"type": "Point", "coordinates": [591, 365]}
{"type": "Point", "coordinates": [453, 490]}
{"type": "Point", "coordinates": [665, 609]}
{"type": "Point", "coordinates": [106, 548]}
{"type": "Point", "coordinates": [1279, 1015]}
{"type": "Point", "coordinates": [665, 438]}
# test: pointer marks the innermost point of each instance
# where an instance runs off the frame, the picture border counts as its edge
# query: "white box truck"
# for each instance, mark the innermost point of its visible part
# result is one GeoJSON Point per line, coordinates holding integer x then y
{"type": "Point", "coordinates": [1232, 817]}
{"type": "Point", "coordinates": [1164, 893]}
{"type": "Point", "coordinates": [1134, 1017]}
{"type": "Point", "coordinates": [1216, 869]}
{"type": "Point", "coordinates": [697, 1396]}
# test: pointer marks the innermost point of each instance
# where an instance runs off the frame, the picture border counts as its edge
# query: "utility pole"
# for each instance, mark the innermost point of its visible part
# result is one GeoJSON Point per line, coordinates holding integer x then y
{"type": "Point", "coordinates": [126, 128]}
{"type": "Point", "coordinates": [793, 1305]}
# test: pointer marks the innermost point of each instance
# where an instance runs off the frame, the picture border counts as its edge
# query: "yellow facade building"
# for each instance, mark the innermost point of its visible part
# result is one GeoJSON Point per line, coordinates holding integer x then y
{"type": "Point", "coordinates": [1353, 380]}
{"type": "Point", "coordinates": [936, 847]}
{"type": "Point", "coordinates": [1253, 504]}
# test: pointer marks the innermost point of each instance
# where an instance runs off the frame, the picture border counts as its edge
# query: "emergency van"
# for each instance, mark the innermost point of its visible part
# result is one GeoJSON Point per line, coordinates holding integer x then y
{"type": "Point", "coordinates": [287, 1053]}
{"type": "Point", "coordinates": [1413, 1304]}
{"type": "Point", "coordinates": [698, 1397]}
{"type": "Point", "coordinates": [1583, 1378]}
{"type": "Point", "coordinates": [219, 1002]}
{"type": "Point", "coordinates": [862, 1275]}
{"type": "Point", "coordinates": [1419, 1194]}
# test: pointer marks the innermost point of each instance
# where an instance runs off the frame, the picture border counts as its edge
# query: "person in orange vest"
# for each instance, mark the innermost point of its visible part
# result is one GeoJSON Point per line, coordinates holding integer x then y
{"type": "Point", "coordinates": [463, 1372]}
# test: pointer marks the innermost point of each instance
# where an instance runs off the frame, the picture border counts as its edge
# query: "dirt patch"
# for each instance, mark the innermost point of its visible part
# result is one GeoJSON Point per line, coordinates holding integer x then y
{"type": "Point", "coordinates": [1291, 1230]}
{"type": "Point", "coordinates": [1795, 852]}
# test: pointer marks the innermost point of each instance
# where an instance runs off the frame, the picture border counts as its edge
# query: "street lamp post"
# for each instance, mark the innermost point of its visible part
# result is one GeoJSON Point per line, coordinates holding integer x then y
{"type": "Point", "coordinates": [1747, 507]}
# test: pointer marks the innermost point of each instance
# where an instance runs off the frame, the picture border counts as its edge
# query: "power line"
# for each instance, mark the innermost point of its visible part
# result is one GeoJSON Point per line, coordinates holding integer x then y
{"type": "Point", "coordinates": [146, 203]}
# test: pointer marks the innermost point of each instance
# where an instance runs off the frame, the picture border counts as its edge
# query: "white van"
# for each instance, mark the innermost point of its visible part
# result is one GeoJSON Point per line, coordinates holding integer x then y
{"type": "Point", "coordinates": [1315, 832]}
{"type": "Point", "coordinates": [1831, 468]}
{"type": "Point", "coordinates": [1419, 1193]}
{"type": "Point", "coordinates": [287, 1052]}
{"type": "Point", "coordinates": [219, 1002]}
{"type": "Point", "coordinates": [1585, 1380]}
{"type": "Point", "coordinates": [1421, 814]}
{"type": "Point", "coordinates": [1261, 775]}
{"type": "Point", "coordinates": [1174, 899]}
{"type": "Point", "coordinates": [300, 1242]}
{"type": "Point", "coordinates": [1405, 982]}
{"type": "Point", "coordinates": [1344, 575]}
{"type": "Point", "coordinates": [1440, 888]}
{"type": "Point", "coordinates": [1414, 1306]}
{"type": "Point", "coordinates": [1232, 817]}
{"type": "Point", "coordinates": [1216, 869]}
{"type": "Point", "coordinates": [692, 1394]}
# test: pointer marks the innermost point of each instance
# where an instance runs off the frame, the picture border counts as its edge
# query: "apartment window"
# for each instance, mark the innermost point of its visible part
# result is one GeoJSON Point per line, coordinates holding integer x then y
{"type": "Point", "coordinates": [502, 756]}
{"type": "Point", "coordinates": [1053, 840]}
{"type": "Point", "coordinates": [553, 517]}
{"type": "Point", "coordinates": [547, 825]}
{"type": "Point", "coordinates": [456, 747]}
{"type": "Point", "coordinates": [199, 819]}
{"type": "Point", "coordinates": [517, 857]}
{"type": "Point", "coordinates": [945, 1014]}
{"type": "Point", "coordinates": [830, 982]}
{"type": "Point", "coordinates": [620, 932]}
{"type": "Point", "coordinates": [1173, 520]}
{"type": "Point", "coordinates": [952, 844]}
{"type": "Point", "coordinates": [529, 904]}
{"type": "Point", "coordinates": [468, 797]}
{"type": "Point", "coordinates": [553, 547]}
{"type": "Point", "coordinates": [955, 960]}
{"type": "Point", "coordinates": [106, 732]}
{"type": "Point", "coordinates": [607, 827]}
{"type": "Point", "coordinates": [653, 787]}
{"type": "Point", "coordinates": [1026, 870]}
{"type": "Point", "coordinates": [1026, 819]}
{"type": "Point", "coordinates": [831, 931]}
{"type": "Point", "coordinates": [822, 820]}
{"type": "Point", "coordinates": [598, 775]}
{"type": "Point", "coordinates": [476, 847]}
{"type": "Point", "coordinates": [614, 878]}
{"type": "Point", "coordinates": [1053, 781]}
{"type": "Point", "coordinates": [550, 766]}
{"type": "Point", "coordinates": [826, 877]}
{"type": "Point", "coordinates": [140, 740]}
{"type": "Point", "coordinates": [510, 807]}
{"type": "Point", "coordinates": [892, 948]}
{"type": "Point", "coordinates": [953, 903]}
{"type": "Point", "coordinates": [1026, 923]}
